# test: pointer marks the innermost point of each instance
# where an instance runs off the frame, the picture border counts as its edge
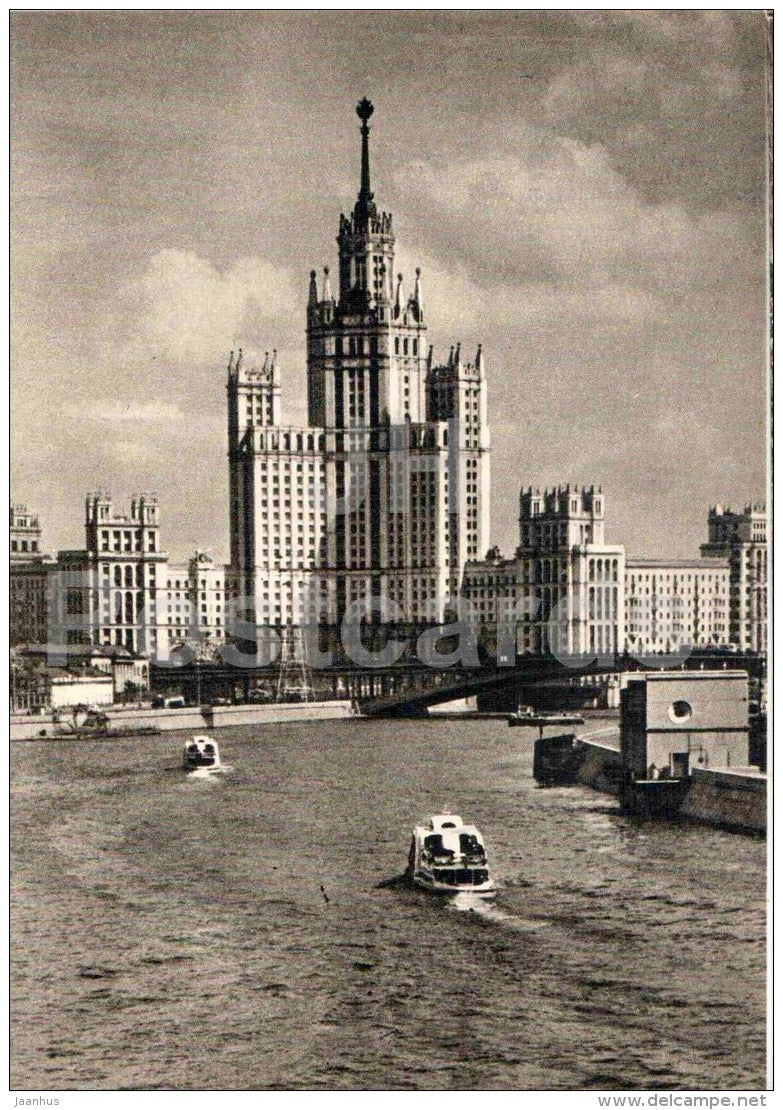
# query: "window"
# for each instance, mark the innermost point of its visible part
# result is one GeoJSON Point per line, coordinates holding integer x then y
{"type": "Point", "coordinates": [680, 711]}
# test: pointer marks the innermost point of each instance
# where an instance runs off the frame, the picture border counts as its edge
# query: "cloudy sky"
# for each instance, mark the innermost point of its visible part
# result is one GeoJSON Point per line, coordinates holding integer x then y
{"type": "Point", "coordinates": [584, 191]}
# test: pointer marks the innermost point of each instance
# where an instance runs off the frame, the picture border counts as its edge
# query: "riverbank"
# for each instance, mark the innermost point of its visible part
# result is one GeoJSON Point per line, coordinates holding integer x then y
{"type": "Point", "coordinates": [733, 798]}
{"type": "Point", "coordinates": [194, 717]}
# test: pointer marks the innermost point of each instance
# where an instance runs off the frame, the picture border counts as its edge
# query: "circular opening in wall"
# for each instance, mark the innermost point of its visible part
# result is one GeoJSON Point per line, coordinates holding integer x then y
{"type": "Point", "coordinates": [680, 711]}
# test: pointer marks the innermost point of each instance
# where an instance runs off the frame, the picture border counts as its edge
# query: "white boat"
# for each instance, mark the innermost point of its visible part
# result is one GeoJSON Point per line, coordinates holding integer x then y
{"type": "Point", "coordinates": [200, 752]}
{"type": "Point", "coordinates": [447, 857]}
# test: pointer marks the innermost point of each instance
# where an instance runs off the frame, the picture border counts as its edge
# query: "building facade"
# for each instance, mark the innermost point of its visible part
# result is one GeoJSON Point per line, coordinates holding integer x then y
{"type": "Point", "coordinates": [564, 587]}
{"type": "Point", "coordinates": [112, 592]}
{"type": "Point", "coordinates": [195, 609]}
{"type": "Point", "coordinates": [677, 603]}
{"type": "Point", "coordinates": [376, 505]}
{"type": "Point", "coordinates": [25, 533]}
{"type": "Point", "coordinates": [29, 571]}
{"type": "Point", "coordinates": [674, 723]}
{"type": "Point", "coordinates": [741, 538]}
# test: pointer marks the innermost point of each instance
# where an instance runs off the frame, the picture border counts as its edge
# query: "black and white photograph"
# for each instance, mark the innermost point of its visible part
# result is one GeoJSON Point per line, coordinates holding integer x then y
{"type": "Point", "coordinates": [390, 482]}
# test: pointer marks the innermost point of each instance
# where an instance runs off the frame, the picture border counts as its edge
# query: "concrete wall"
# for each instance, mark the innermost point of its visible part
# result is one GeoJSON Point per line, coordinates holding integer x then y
{"type": "Point", "coordinates": [223, 716]}
{"type": "Point", "coordinates": [599, 766]}
{"type": "Point", "coordinates": [564, 759]}
{"type": "Point", "coordinates": [172, 720]}
{"type": "Point", "coordinates": [86, 690]}
{"type": "Point", "coordinates": [731, 799]}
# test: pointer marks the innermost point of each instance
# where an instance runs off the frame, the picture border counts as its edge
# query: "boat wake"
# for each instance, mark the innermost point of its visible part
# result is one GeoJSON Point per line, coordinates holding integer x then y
{"type": "Point", "coordinates": [491, 913]}
{"type": "Point", "coordinates": [208, 772]}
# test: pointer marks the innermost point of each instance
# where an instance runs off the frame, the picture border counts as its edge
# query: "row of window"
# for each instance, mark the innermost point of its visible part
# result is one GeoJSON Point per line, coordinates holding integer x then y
{"type": "Point", "coordinates": [126, 541]}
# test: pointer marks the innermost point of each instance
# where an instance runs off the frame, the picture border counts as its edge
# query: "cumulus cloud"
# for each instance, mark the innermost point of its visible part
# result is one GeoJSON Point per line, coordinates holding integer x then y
{"type": "Point", "coordinates": [556, 233]}
{"type": "Point", "coordinates": [183, 308]}
{"type": "Point", "coordinates": [559, 209]}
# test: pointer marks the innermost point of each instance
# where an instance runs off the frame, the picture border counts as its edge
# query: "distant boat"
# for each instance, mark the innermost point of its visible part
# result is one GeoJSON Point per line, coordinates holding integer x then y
{"type": "Point", "coordinates": [91, 723]}
{"type": "Point", "coordinates": [201, 752]}
{"type": "Point", "coordinates": [527, 717]}
{"type": "Point", "coordinates": [448, 857]}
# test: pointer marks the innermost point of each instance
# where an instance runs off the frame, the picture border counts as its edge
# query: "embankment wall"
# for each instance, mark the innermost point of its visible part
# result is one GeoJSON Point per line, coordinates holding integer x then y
{"type": "Point", "coordinates": [195, 717]}
{"type": "Point", "coordinates": [731, 799]}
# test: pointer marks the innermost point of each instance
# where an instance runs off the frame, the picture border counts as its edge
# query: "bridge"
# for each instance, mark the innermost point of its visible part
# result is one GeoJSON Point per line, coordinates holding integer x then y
{"type": "Point", "coordinates": [410, 688]}
{"type": "Point", "coordinates": [503, 688]}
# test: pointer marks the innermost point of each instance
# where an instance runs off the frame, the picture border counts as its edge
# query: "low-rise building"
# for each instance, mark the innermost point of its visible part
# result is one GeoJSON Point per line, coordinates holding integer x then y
{"type": "Point", "coordinates": [37, 687]}
{"type": "Point", "coordinates": [68, 690]}
{"type": "Point", "coordinates": [675, 722]}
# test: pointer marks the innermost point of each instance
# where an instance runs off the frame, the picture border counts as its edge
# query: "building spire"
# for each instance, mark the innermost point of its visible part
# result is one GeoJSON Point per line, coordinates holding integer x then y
{"type": "Point", "coordinates": [418, 297]}
{"type": "Point", "coordinates": [398, 297]}
{"type": "Point", "coordinates": [364, 205]}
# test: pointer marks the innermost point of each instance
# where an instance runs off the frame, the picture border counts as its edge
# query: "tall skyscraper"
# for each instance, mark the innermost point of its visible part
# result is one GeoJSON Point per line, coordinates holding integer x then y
{"type": "Point", "coordinates": [378, 503]}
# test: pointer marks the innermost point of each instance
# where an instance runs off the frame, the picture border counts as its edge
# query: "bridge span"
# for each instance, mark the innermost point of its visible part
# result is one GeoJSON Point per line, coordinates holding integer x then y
{"type": "Point", "coordinates": [503, 688]}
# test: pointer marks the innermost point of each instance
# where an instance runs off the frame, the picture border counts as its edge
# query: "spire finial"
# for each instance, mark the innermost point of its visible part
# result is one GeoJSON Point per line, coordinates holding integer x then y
{"type": "Point", "coordinates": [364, 110]}
{"type": "Point", "coordinates": [327, 290]}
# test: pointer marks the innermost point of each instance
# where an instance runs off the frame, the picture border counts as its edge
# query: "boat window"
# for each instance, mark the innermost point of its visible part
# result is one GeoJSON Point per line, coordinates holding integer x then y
{"type": "Point", "coordinates": [434, 844]}
{"type": "Point", "coordinates": [469, 844]}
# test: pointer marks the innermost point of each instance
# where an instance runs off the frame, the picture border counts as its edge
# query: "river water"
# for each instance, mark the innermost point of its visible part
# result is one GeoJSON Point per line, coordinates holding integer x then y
{"type": "Point", "coordinates": [170, 931]}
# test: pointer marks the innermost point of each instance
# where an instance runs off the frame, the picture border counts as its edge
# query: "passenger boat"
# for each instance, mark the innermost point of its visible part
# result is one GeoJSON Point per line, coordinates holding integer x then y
{"type": "Point", "coordinates": [200, 752]}
{"type": "Point", "coordinates": [447, 857]}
